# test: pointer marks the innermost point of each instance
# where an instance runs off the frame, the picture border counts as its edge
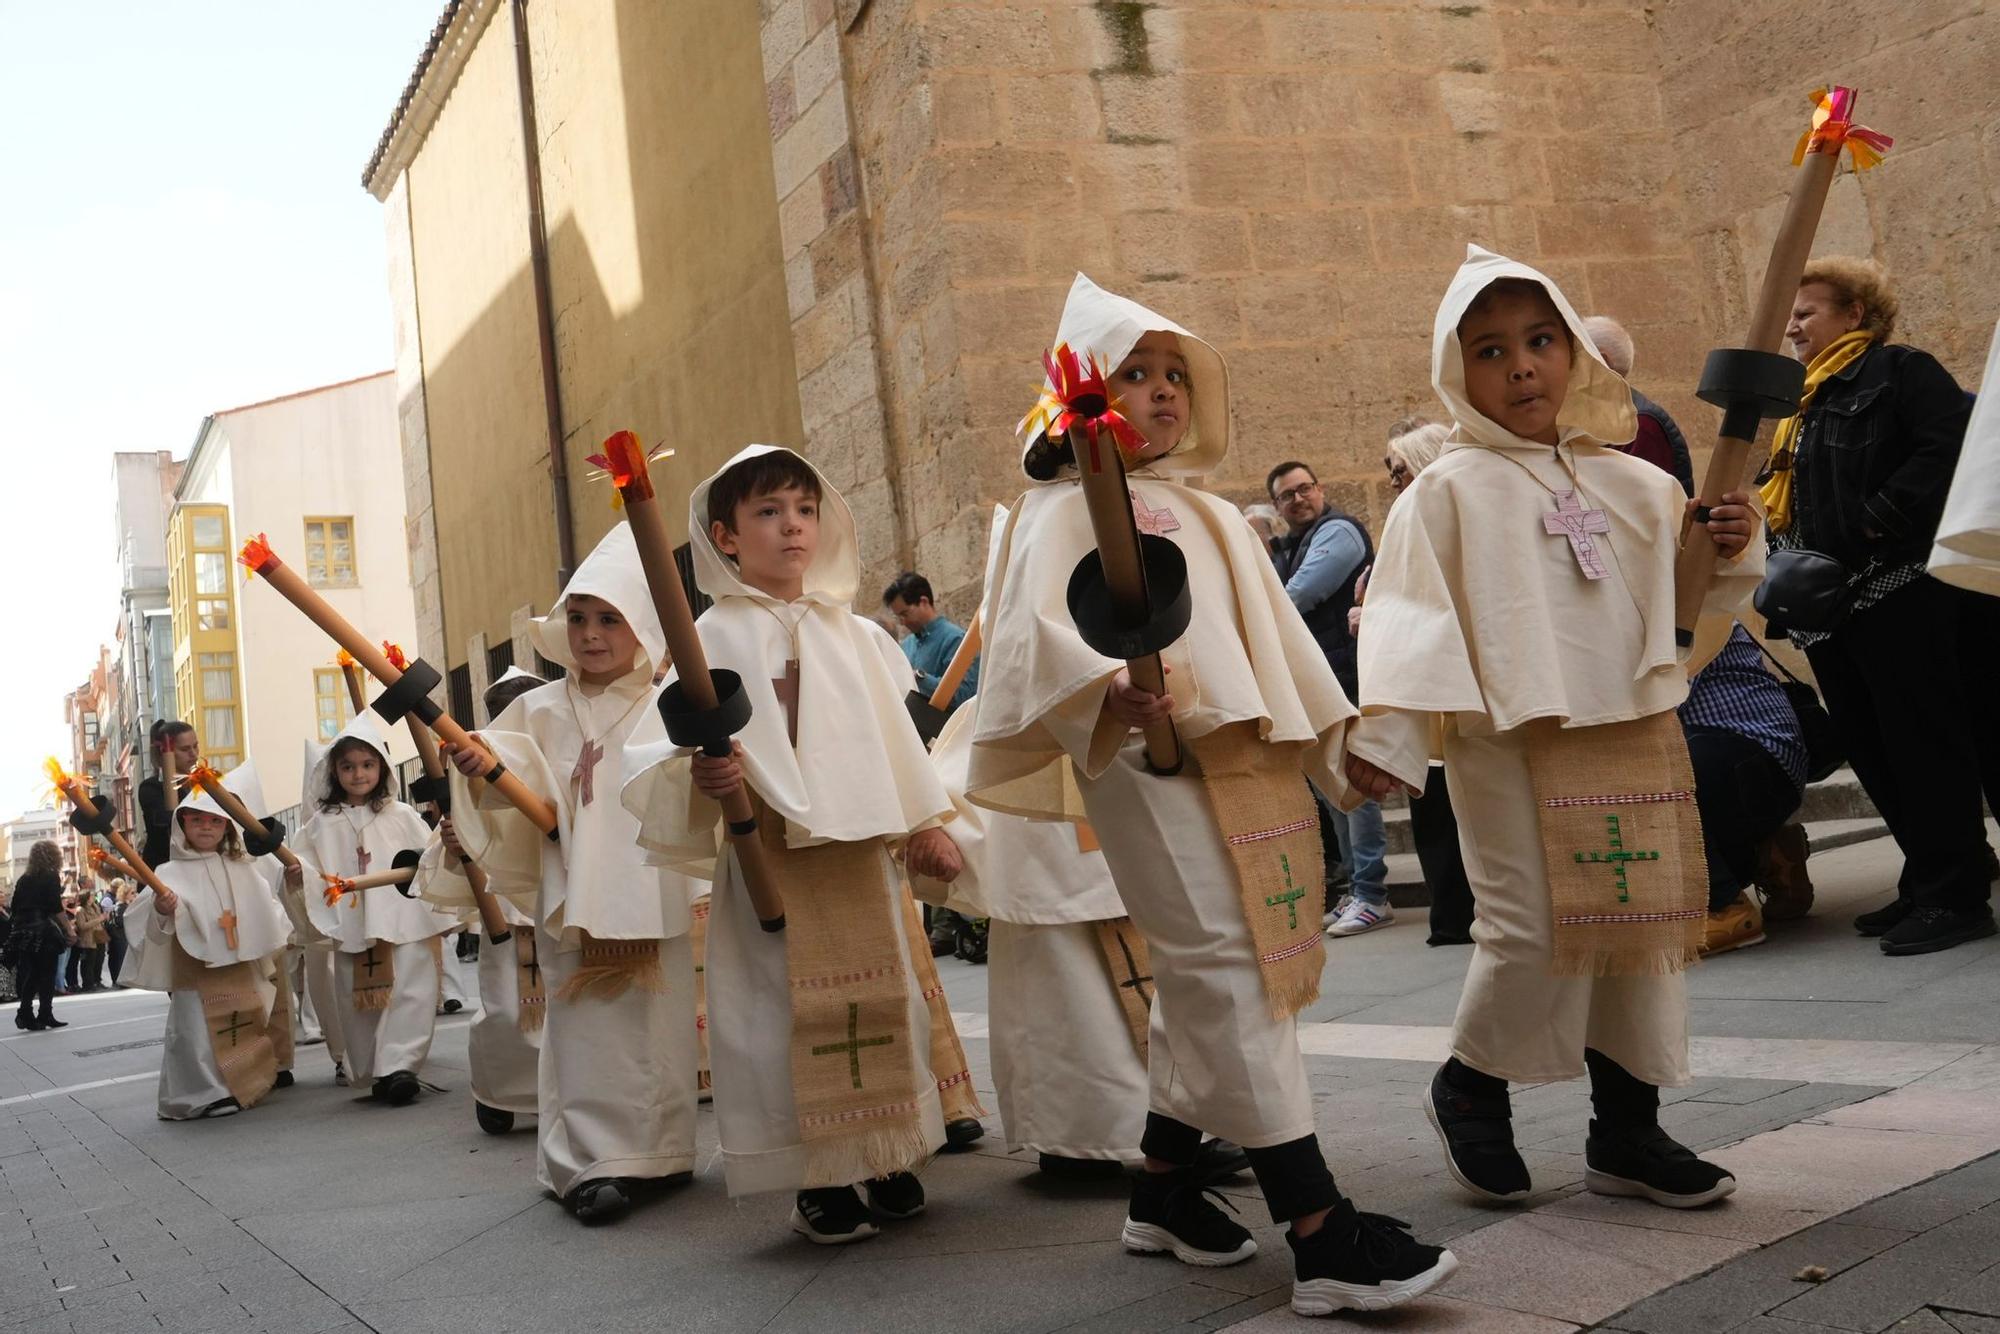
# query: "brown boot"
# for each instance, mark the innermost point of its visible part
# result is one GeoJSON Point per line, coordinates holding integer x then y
{"type": "Point", "coordinates": [1782, 875]}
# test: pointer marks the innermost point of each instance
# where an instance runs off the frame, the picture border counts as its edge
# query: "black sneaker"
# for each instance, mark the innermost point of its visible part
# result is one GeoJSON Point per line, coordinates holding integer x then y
{"type": "Point", "coordinates": [397, 1088]}
{"type": "Point", "coordinates": [1219, 1160]}
{"type": "Point", "coordinates": [1362, 1262]}
{"type": "Point", "coordinates": [284, 1080]}
{"type": "Point", "coordinates": [899, 1195]}
{"type": "Point", "coordinates": [1477, 1132]}
{"type": "Point", "coordinates": [1079, 1169]}
{"type": "Point", "coordinates": [492, 1120]}
{"type": "Point", "coordinates": [831, 1216]}
{"type": "Point", "coordinates": [452, 1006]}
{"type": "Point", "coordinates": [1928, 930]}
{"type": "Point", "coordinates": [962, 1134]}
{"type": "Point", "coordinates": [605, 1200]}
{"type": "Point", "coordinates": [1646, 1163]}
{"type": "Point", "coordinates": [1879, 921]}
{"type": "Point", "coordinates": [943, 945]}
{"type": "Point", "coordinates": [1170, 1212]}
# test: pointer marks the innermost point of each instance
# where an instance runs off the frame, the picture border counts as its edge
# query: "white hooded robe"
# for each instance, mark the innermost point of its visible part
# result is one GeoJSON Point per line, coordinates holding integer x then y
{"type": "Point", "coordinates": [1479, 620]}
{"type": "Point", "coordinates": [352, 841]}
{"type": "Point", "coordinates": [858, 772]}
{"type": "Point", "coordinates": [207, 885]}
{"type": "Point", "coordinates": [1045, 748]}
{"type": "Point", "coordinates": [616, 1084]}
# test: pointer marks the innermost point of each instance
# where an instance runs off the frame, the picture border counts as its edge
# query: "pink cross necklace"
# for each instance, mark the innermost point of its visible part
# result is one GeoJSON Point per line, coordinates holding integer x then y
{"type": "Point", "coordinates": [1571, 518]}
{"type": "Point", "coordinates": [361, 854]}
{"type": "Point", "coordinates": [584, 772]}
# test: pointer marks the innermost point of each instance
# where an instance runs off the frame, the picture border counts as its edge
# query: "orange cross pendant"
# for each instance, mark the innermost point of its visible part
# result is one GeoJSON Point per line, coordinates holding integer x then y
{"type": "Point", "coordinates": [229, 928]}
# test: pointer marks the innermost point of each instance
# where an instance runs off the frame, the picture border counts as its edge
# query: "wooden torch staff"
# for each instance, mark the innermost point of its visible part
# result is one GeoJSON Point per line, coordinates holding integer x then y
{"type": "Point", "coordinates": [490, 919]}
{"type": "Point", "coordinates": [353, 884]}
{"type": "Point", "coordinates": [259, 558]}
{"type": "Point", "coordinates": [1110, 595]}
{"type": "Point", "coordinates": [961, 662]}
{"type": "Point", "coordinates": [357, 693]}
{"type": "Point", "coordinates": [1757, 381]}
{"type": "Point", "coordinates": [73, 790]}
{"type": "Point", "coordinates": [209, 781]}
{"type": "Point", "coordinates": [626, 462]}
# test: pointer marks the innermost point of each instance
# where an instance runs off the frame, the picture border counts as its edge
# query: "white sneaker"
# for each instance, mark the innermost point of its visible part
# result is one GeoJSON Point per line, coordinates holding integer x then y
{"type": "Point", "coordinates": [1357, 917]}
{"type": "Point", "coordinates": [1339, 907]}
{"type": "Point", "coordinates": [340, 1074]}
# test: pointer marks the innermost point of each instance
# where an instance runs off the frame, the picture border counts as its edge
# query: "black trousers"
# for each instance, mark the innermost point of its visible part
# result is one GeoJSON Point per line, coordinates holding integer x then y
{"type": "Point", "coordinates": [1293, 1175]}
{"type": "Point", "coordinates": [35, 983]}
{"type": "Point", "coordinates": [1434, 829]}
{"type": "Point", "coordinates": [114, 951]}
{"type": "Point", "coordinates": [1745, 796]}
{"type": "Point", "coordinates": [1894, 681]}
{"type": "Point", "coordinates": [1978, 616]}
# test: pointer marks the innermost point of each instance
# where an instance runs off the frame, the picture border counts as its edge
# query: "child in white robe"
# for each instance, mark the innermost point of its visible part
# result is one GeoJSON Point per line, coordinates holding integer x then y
{"type": "Point", "coordinates": [615, 1093]}
{"type": "Point", "coordinates": [386, 972]}
{"type": "Point", "coordinates": [1067, 1031]}
{"type": "Point", "coordinates": [1506, 630]}
{"type": "Point", "coordinates": [503, 1045]}
{"type": "Point", "coordinates": [215, 948]}
{"type": "Point", "coordinates": [819, 1034]}
{"type": "Point", "coordinates": [1258, 710]}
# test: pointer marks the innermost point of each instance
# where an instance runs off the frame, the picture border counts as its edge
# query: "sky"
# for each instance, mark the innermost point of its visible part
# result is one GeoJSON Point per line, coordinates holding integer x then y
{"type": "Point", "coordinates": [184, 230]}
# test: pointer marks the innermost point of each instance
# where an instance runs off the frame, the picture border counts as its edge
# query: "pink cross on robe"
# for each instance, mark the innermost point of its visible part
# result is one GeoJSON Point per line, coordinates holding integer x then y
{"type": "Point", "coordinates": [1157, 522]}
{"type": "Point", "coordinates": [362, 857]}
{"type": "Point", "coordinates": [584, 774]}
{"type": "Point", "coordinates": [1569, 519]}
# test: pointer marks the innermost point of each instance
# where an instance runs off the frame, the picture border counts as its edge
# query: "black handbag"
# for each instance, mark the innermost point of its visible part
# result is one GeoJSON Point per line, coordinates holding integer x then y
{"type": "Point", "coordinates": [1807, 590]}
{"type": "Point", "coordinates": [1824, 753]}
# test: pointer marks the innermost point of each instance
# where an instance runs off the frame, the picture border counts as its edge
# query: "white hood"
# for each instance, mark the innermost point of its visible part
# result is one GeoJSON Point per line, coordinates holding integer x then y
{"type": "Point", "coordinates": [835, 574]}
{"type": "Point", "coordinates": [516, 674]}
{"type": "Point", "coordinates": [242, 780]}
{"type": "Point", "coordinates": [612, 572]}
{"type": "Point", "coordinates": [1598, 408]}
{"type": "Point", "coordinates": [1108, 327]}
{"type": "Point", "coordinates": [364, 728]}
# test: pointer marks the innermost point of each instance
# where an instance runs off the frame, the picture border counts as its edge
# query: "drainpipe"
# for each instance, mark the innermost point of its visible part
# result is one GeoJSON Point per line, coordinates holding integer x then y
{"type": "Point", "coordinates": [545, 331]}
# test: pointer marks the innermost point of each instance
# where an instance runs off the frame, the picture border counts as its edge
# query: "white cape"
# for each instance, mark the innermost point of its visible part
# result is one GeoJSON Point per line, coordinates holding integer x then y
{"type": "Point", "coordinates": [1968, 537]}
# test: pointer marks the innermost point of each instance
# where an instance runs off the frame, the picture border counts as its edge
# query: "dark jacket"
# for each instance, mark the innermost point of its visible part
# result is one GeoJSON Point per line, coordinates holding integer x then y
{"type": "Point", "coordinates": [1876, 450]}
{"type": "Point", "coordinates": [1328, 621]}
{"type": "Point", "coordinates": [1671, 450]}
{"type": "Point", "coordinates": [37, 914]}
{"type": "Point", "coordinates": [159, 822]}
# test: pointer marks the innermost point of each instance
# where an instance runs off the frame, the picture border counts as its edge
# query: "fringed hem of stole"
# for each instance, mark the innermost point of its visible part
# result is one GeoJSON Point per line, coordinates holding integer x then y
{"type": "Point", "coordinates": [608, 967]}
{"type": "Point", "coordinates": [1265, 810]}
{"type": "Point", "coordinates": [375, 976]}
{"type": "Point", "coordinates": [1129, 961]}
{"type": "Point", "coordinates": [1622, 845]}
{"type": "Point", "coordinates": [948, 1065]}
{"type": "Point", "coordinates": [530, 999]}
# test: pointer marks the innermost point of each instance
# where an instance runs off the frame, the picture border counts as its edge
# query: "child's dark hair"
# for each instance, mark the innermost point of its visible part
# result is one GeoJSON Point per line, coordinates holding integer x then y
{"type": "Point", "coordinates": [335, 796]}
{"type": "Point", "coordinates": [502, 693]}
{"type": "Point", "coordinates": [232, 842]}
{"type": "Point", "coordinates": [1520, 287]}
{"type": "Point", "coordinates": [779, 470]}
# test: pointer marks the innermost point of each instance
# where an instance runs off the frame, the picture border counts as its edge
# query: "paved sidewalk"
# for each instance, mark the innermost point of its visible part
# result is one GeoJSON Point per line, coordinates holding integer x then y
{"type": "Point", "coordinates": [1834, 1076]}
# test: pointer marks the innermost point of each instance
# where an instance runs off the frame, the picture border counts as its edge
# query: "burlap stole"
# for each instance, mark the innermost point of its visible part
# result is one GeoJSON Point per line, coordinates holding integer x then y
{"type": "Point", "coordinates": [238, 1022]}
{"type": "Point", "coordinates": [610, 966]}
{"type": "Point", "coordinates": [374, 976]}
{"type": "Point", "coordinates": [532, 1000]}
{"type": "Point", "coordinates": [957, 1097]}
{"type": "Point", "coordinates": [855, 1080]}
{"type": "Point", "coordinates": [698, 946]}
{"type": "Point", "coordinates": [1621, 837]}
{"type": "Point", "coordinates": [1271, 826]}
{"type": "Point", "coordinates": [1131, 967]}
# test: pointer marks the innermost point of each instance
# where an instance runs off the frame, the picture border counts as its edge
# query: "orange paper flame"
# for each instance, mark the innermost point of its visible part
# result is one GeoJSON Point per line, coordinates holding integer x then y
{"type": "Point", "coordinates": [203, 774]}
{"type": "Point", "coordinates": [343, 659]}
{"type": "Point", "coordinates": [257, 555]}
{"type": "Point", "coordinates": [1833, 128]}
{"type": "Point", "coordinates": [336, 885]}
{"type": "Point", "coordinates": [98, 856]}
{"type": "Point", "coordinates": [624, 460]}
{"type": "Point", "coordinates": [394, 654]}
{"type": "Point", "coordinates": [1079, 399]}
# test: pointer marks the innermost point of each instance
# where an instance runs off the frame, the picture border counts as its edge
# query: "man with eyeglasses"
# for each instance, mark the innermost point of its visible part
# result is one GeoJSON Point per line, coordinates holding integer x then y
{"type": "Point", "coordinates": [1319, 559]}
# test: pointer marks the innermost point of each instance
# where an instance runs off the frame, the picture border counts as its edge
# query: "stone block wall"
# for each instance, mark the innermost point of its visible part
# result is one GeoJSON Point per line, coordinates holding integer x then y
{"type": "Point", "coordinates": [1737, 72]}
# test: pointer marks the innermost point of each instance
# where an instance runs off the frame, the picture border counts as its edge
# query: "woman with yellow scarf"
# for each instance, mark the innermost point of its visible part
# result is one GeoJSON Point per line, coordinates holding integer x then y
{"type": "Point", "coordinates": [1860, 475]}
